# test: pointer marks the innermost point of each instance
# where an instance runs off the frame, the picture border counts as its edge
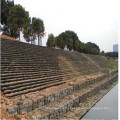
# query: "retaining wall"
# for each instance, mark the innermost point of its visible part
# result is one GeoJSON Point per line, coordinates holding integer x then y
{"type": "Point", "coordinates": [64, 107]}
{"type": "Point", "coordinates": [30, 105]}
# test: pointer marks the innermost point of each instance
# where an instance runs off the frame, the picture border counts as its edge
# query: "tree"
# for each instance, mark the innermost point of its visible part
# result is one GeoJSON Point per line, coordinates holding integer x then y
{"type": "Point", "coordinates": [112, 54]}
{"type": "Point", "coordinates": [76, 46]}
{"type": "Point", "coordinates": [102, 53]}
{"type": "Point", "coordinates": [67, 38]}
{"type": "Point", "coordinates": [70, 44]}
{"type": "Point", "coordinates": [92, 48]}
{"type": "Point", "coordinates": [51, 42]}
{"type": "Point", "coordinates": [5, 8]}
{"type": "Point", "coordinates": [94, 51]}
{"type": "Point", "coordinates": [38, 27]}
{"type": "Point", "coordinates": [28, 32]}
{"type": "Point", "coordinates": [93, 45]}
{"type": "Point", "coordinates": [70, 39]}
{"type": "Point", "coordinates": [82, 47]}
{"type": "Point", "coordinates": [10, 32]}
{"type": "Point", "coordinates": [18, 18]}
{"type": "Point", "coordinates": [60, 42]}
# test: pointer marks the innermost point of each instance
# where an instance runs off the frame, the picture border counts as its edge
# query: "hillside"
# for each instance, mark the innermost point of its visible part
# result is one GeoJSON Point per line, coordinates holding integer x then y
{"type": "Point", "coordinates": [28, 68]}
{"type": "Point", "coordinates": [34, 77]}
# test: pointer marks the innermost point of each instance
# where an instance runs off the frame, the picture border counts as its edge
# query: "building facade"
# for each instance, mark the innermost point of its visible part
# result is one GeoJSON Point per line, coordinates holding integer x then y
{"type": "Point", "coordinates": [115, 48]}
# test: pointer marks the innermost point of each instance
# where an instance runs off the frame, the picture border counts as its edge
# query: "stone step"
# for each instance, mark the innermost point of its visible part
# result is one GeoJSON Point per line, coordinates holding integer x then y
{"type": "Point", "coordinates": [50, 84]}
{"type": "Point", "coordinates": [29, 68]}
{"type": "Point", "coordinates": [22, 59]}
{"type": "Point", "coordinates": [32, 76]}
{"type": "Point", "coordinates": [21, 87]}
{"type": "Point", "coordinates": [40, 57]}
{"type": "Point", "coordinates": [20, 63]}
{"type": "Point", "coordinates": [20, 66]}
{"type": "Point", "coordinates": [26, 71]}
{"type": "Point", "coordinates": [21, 80]}
{"type": "Point", "coordinates": [14, 86]}
{"type": "Point", "coordinates": [11, 87]}
{"type": "Point", "coordinates": [7, 75]}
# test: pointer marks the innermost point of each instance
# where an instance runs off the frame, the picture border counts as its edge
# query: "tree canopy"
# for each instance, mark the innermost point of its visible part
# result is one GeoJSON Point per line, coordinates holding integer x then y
{"type": "Point", "coordinates": [28, 32]}
{"type": "Point", "coordinates": [5, 8]}
{"type": "Point", "coordinates": [92, 48]}
{"type": "Point", "coordinates": [14, 18]}
{"type": "Point", "coordinates": [112, 54]}
{"type": "Point", "coordinates": [71, 40]}
{"type": "Point", "coordinates": [18, 18]}
{"type": "Point", "coordinates": [38, 27]}
{"type": "Point", "coordinates": [67, 38]}
{"type": "Point", "coordinates": [51, 41]}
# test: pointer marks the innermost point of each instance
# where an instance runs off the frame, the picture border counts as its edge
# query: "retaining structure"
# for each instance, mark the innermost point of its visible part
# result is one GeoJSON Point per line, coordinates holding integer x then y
{"type": "Point", "coordinates": [30, 105]}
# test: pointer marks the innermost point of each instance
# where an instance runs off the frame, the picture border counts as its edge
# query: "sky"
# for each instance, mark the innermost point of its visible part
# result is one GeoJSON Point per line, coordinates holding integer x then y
{"type": "Point", "coordinates": [93, 20]}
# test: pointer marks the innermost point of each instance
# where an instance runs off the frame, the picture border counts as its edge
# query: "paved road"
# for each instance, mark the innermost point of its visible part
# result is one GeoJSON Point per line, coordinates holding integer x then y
{"type": "Point", "coordinates": [106, 108]}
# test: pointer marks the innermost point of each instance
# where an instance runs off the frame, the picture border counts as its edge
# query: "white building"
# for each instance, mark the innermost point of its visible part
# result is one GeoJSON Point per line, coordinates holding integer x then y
{"type": "Point", "coordinates": [65, 48]}
{"type": "Point", "coordinates": [40, 41]}
{"type": "Point", "coordinates": [115, 48]}
{"type": "Point", "coordinates": [33, 42]}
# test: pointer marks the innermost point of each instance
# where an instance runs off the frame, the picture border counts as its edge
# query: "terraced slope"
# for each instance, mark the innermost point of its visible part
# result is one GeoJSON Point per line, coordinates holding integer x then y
{"type": "Point", "coordinates": [27, 68]}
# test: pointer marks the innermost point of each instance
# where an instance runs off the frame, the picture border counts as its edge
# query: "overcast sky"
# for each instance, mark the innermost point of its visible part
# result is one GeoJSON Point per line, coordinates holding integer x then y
{"type": "Point", "coordinates": [93, 20]}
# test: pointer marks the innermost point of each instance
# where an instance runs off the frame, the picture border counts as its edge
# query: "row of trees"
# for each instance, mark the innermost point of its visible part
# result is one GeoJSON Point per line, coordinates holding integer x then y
{"type": "Point", "coordinates": [14, 19]}
{"type": "Point", "coordinates": [72, 42]}
{"type": "Point", "coordinates": [112, 54]}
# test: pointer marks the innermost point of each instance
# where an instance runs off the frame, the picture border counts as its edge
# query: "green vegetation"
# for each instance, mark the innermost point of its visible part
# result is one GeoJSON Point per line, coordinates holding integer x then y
{"type": "Point", "coordinates": [71, 40]}
{"type": "Point", "coordinates": [38, 27]}
{"type": "Point", "coordinates": [51, 41]}
{"type": "Point", "coordinates": [112, 54]}
{"type": "Point", "coordinates": [14, 18]}
{"type": "Point", "coordinates": [28, 32]}
{"type": "Point", "coordinates": [5, 8]}
{"type": "Point", "coordinates": [92, 48]}
{"type": "Point", "coordinates": [112, 62]}
{"type": "Point", "coordinates": [18, 18]}
{"type": "Point", "coordinates": [102, 53]}
{"type": "Point", "coordinates": [68, 38]}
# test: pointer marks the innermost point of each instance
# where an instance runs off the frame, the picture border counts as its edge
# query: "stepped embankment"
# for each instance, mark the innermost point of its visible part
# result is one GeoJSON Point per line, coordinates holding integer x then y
{"type": "Point", "coordinates": [48, 83]}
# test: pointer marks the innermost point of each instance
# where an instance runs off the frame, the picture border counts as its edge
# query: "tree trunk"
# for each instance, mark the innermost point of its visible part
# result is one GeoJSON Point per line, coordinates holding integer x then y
{"type": "Point", "coordinates": [38, 40]}
{"type": "Point", "coordinates": [19, 34]}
